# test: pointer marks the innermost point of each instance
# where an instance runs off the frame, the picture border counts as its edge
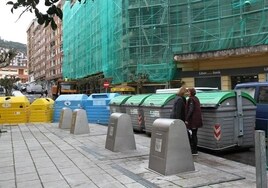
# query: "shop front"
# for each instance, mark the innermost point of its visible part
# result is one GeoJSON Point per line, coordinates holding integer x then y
{"type": "Point", "coordinates": [223, 69]}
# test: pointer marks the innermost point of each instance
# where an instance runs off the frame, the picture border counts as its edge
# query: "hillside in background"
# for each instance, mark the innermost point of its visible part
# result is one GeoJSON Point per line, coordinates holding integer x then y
{"type": "Point", "coordinates": [15, 45]}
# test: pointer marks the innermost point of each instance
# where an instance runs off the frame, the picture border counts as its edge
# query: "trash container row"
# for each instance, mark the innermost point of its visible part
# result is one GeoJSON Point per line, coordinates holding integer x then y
{"type": "Point", "coordinates": [96, 106]}
{"type": "Point", "coordinates": [228, 116]}
{"type": "Point", "coordinates": [18, 110]}
{"type": "Point", "coordinates": [143, 109]}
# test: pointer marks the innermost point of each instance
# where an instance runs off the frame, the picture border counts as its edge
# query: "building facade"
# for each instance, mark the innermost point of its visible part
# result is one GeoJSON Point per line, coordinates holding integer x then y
{"type": "Point", "coordinates": [54, 52]}
{"type": "Point", "coordinates": [204, 43]}
{"type": "Point", "coordinates": [17, 68]}
{"type": "Point", "coordinates": [226, 42]}
{"type": "Point", "coordinates": [44, 50]}
{"type": "Point", "coordinates": [126, 41]}
{"type": "Point", "coordinates": [31, 50]}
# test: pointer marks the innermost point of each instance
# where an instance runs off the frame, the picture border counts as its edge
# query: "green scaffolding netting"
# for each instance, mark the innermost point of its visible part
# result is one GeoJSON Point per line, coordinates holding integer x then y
{"type": "Point", "coordinates": [122, 38]}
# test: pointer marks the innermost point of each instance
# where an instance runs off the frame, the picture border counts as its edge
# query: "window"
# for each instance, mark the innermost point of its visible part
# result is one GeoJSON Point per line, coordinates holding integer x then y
{"type": "Point", "coordinates": [21, 71]}
{"type": "Point", "coordinates": [248, 90]}
{"type": "Point", "coordinates": [263, 95]}
{"type": "Point", "coordinates": [68, 86]}
{"type": "Point", "coordinates": [208, 82]}
{"type": "Point", "coordinates": [52, 43]}
{"type": "Point", "coordinates": [53, 53]}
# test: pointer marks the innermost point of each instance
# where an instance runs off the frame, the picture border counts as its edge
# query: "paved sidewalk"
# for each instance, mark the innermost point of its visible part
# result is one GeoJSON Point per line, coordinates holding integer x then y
{"type": "Point", "coordinates": [41, 155]}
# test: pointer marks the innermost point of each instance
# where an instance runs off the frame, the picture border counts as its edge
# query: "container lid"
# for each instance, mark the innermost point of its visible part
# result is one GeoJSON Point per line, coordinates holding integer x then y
{"type": "Point", "coordinates": [158, 100]}
{"type": "Point", "coordinates": [121, 99]}
{"type": "Point", "coordinates": [12, 99]}
{"type": "Point", "coordinates": [213, 99]}
{"type": "Point", "coordinates": [43, 101]}
{"type": "Point", "coordinates": [72, 97]}
{"type": "Point", "coordinates": [102, 96]}
{"type": "Point", "coordinates": [136, 100]}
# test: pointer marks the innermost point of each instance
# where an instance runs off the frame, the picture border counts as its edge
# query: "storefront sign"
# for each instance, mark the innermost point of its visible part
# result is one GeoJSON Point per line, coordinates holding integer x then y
{"type": "Point", "coordinates": [203, 73]}
{"type": "Point", "coordinates": [225, 72]}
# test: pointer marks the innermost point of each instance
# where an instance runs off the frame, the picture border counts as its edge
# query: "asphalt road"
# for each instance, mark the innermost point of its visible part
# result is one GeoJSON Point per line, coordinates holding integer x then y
{"type": "Point", "coordinates": [245, 155]}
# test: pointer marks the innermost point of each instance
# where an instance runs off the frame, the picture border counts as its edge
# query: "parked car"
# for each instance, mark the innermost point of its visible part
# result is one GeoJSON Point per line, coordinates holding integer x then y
{"type": "Point", "coordinates": [259, 91]}
{"type": "Point", "coordinates": [198, 89]}
{"type": "Point", "coordinates": [34, 88]}
{"type": "Point", "coordinates": [2, 91]}
{"type": "Point", "coordinates": [17, 93]}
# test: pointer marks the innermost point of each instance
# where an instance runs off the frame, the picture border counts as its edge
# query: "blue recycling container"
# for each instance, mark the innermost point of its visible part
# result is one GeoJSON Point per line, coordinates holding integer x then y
{"type": "Point", "coordinates": [72, 101]}
{"type": "Point", "coordinates": [97, 107]}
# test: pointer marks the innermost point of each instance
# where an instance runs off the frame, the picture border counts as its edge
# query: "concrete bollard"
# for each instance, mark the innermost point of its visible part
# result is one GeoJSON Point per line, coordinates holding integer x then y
{"type": "Point", "coordinates": [260, 159]}
{"type": "Point", "coordinates": [65, 118]}
{"type": "Point", "coordinates": [79, 122]}
{"type": "Point", "coordinates": [170, 151]}
{"type": "Point", "coordinates": [120, 135]}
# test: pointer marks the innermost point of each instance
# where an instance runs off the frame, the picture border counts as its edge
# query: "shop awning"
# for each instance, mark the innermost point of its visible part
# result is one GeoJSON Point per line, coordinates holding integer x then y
{"type": "Point", "coordinates": [122, 88]}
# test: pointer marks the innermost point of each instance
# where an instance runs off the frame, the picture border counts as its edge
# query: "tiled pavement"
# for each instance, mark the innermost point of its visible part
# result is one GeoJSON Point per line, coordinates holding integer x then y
{"type": "Point", "coordinates": [41, 155]}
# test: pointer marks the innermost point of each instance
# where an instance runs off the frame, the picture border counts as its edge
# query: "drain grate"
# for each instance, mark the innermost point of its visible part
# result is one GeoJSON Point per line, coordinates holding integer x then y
{"type": "Point", "coordinates": [135, 177]}
{"type": "Point", "coordinates": [92, 152]}
{"type": "Point", "coordinates": [2, 130]}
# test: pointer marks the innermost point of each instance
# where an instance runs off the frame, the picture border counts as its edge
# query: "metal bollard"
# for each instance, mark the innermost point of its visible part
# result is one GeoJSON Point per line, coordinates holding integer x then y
{"type": "Point", "coordinates": [120, 136]}
{"type": "Point", "coordinates": [65, 118]}
{"type": "Point", "coordinates": [79, 122]}
{"type": "Point", "coordinates": [260, 159]}
{"type": "Point", "coordinates": [170, 151]}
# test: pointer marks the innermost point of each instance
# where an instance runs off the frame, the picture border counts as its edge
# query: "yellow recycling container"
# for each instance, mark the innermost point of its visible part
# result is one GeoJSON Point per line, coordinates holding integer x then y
{"type": "Point", "coordinates": [41, 110]}
{"type": "Point", "coordinates": [2, 110]}
{"type": "Point", "coordinates": [14, 109]}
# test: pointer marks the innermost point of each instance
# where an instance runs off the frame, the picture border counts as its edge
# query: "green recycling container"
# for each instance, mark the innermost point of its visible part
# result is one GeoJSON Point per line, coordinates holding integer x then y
{"type": "Point", "coordinates": [228, 120]}
{"type": "Point", "coordinates": [117, 104]}
{"type": "Point", "coordinates": [157, 106]}
{"type": "Point", "coordinates": [135, 110]}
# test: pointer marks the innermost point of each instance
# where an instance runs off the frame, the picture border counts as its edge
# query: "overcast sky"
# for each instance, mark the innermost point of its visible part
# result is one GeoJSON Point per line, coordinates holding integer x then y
{"type": "Point", "coordinates": [12, 29]}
